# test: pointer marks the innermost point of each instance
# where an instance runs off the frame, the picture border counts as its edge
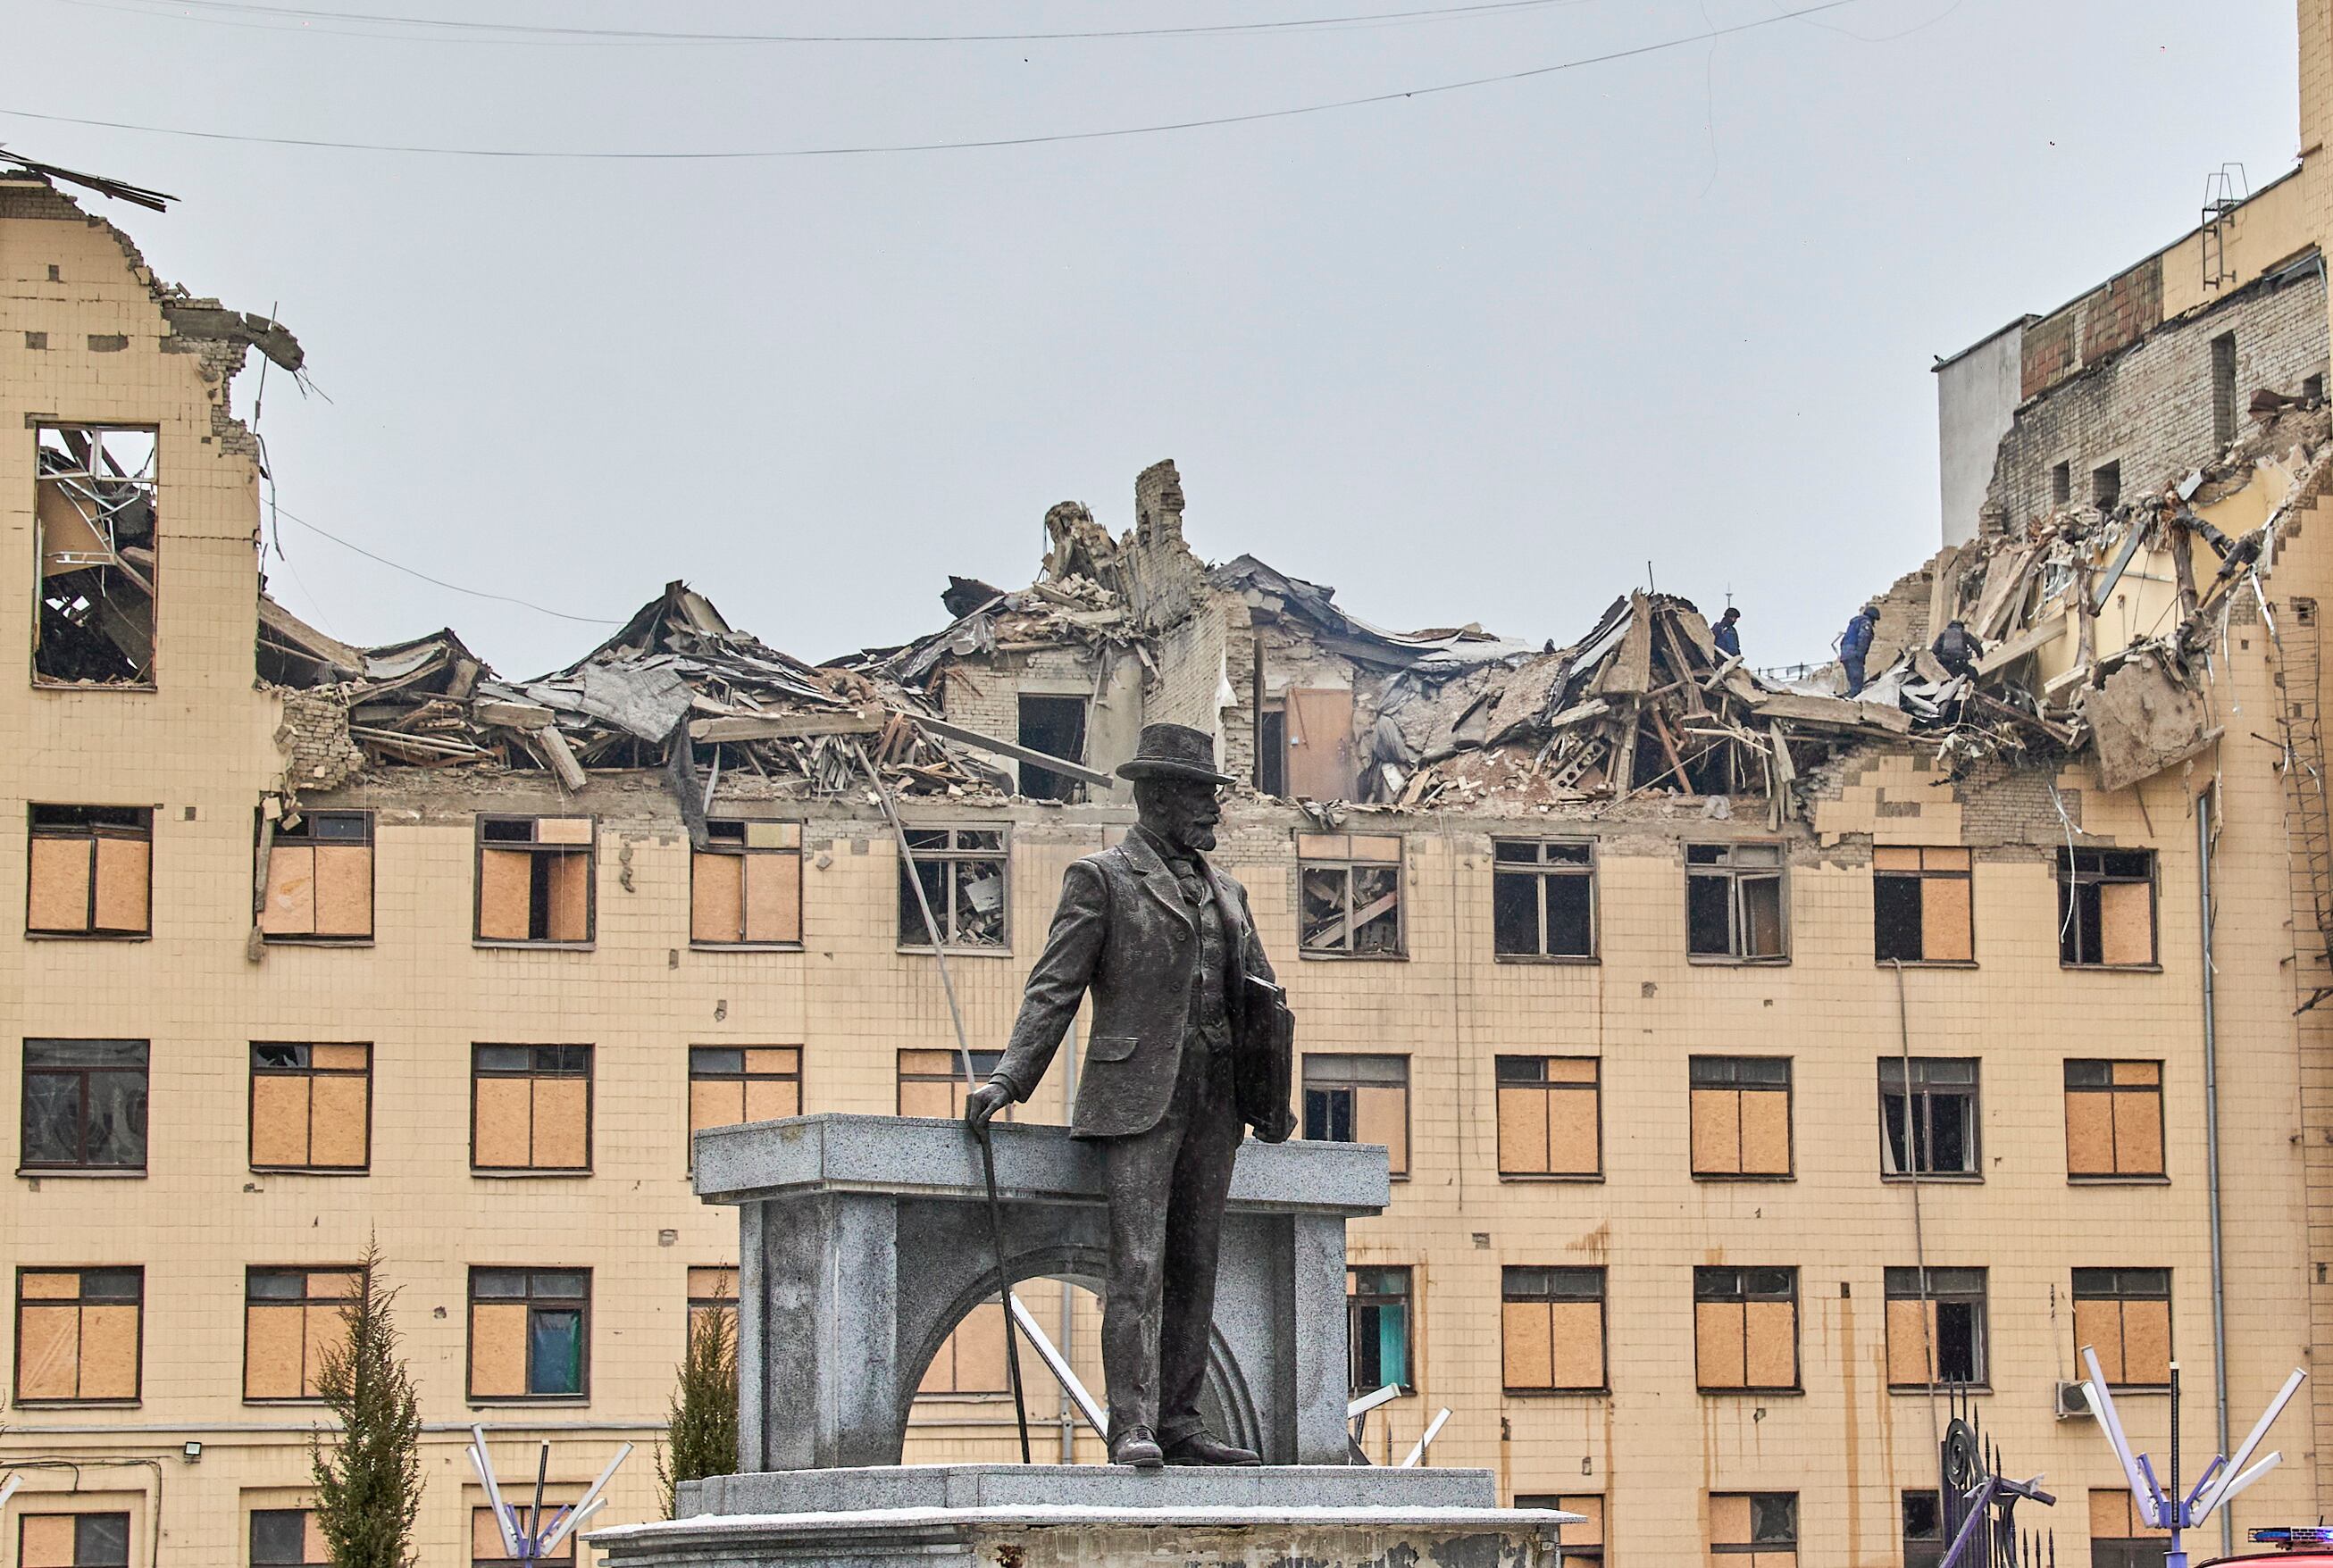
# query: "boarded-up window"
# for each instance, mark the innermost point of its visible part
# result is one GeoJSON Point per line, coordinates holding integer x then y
{"type": "Point", "coordinates": [73, 1540]}
{"type": "Point", "coordinates": [2106, 907]}
{"type": "Point", "coordinates": [1542, 898]}
{"type": "Point", "coordinates": [530, 1108]}
{"type": "Point", "coordinates": [288, 1538]}
{"type": "Point", "coordinates": [84, 1105]}
{"type": "Point", "coordinates": [1920, 906]}
{"type": "Point", "coordinates": [1928, 1121]}
{"type": "Point", "coordinates": [1741, 1116]}
{"type": "Point", "coordinates": [1377, 1328]}
{"type": "Point", "coordinates": [79, 1334]}
{"type": "Point", "coordinates": [932, 1083]}
{"type": "Point", "coordinates": [1350, 887]}
{"type": "Point", "coordinates": [1579, 1546]}
{"type": "Point", "coordinates": [1057, 727]}
{"type": "Point", "coordinates": [291, 1322]}
{"type": "Point", "coordinates": [1924, 1528]}
{"type": "Point", "coordinates": [1745, 1328]}
{"type": "Point", "coordinates": [731, 1084]}
{"type": "Point", "coordinates": [745, 885]}
{"type": "Point", "coordinates": [1318, 724]}
{"type": "Point", "coordinates": [1935, 1328]}
{"type": "Point", "coordinates": [1754, 1529]}
{"type": "Point", "coordinates": [1733, 902]}
{"type": "Point", "coordinates": [2125, 1314]}
{"type": "Point", "coordinates": [1359, 1099]}
{"type": "Point", "coordinates": [534, 878]}
{"type": "Point", "coordinates": [311, 1106]}
{"type": "Point", "coordinates": [1551, 1328]}
{"type": "Point", "coordinates": [2119, 1538]}
{"type": "Point", "coordinates": [95, 537]}
{"type": "Point", "coordinates": [530, 1333]}
{"type": "Point", "coordinates": [2113, 1118]}
{"type": "Point", "coordinates": [318, 878]}
{"type": "Point", "coordinates": [962, 871]}
{"type": "Point", "coordinates": [971, 1360]}
{"type": "Point", "coordinates": [89, 871]}
{"type": "Point", "coordinates": [487, 1547]}
{"type": "Point", "coordinates": [1550, 1117]}
{"type": "Point", "coordinates": [712, 1290]}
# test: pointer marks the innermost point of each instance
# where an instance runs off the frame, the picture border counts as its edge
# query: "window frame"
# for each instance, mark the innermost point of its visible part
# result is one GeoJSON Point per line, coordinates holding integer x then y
{"type": "Point", "coordinates": [1067, 791]}
{"type": "Point", "coordinates": [1925, 1550]}
{"type": "Point", "coordinates": [273, 837]}
{"type": "Point", "coordinates": [251, 1539]}
{"type": "Point", "coordinates": [81, 1167]}
{"type": "Point", "coordinates": [1507, 1286]}
{"type": "Point", "coordinates": [744, 851]}
{"type": "Point", "coordinates": [305, 1302]}
{"type": "Point", "coordinates": [1736, 874]}
{"type": "Point", "coordinates": [1702, 1278]}
{"type": "Point", "coordinates": [2120, 1294]}
{"type": "Point", "coordinates": [2113, 1092]}
{"type": "Point", "coordinates": [716, 1302]}
{"type": "Point", "coordinates": [128, 1527]}
{"type": "Point", "coordinates": [310, 1072]}
{"type": "Point", "coordinates": [1920, 876]}
{"type": "Point", "coordinates": [533, 1074]}
{"type": "Point", "coordinates": [581, 1304]}
{"type": "Point", "coordinates": [1754, 1545]}
{"type": "Point", "coordinates": [2071, 875]}
{"type": "Point", "coordinates": [1946, 1285]}
{"type": "Point", "coordinates": [901, 1078]}
{"type": "Point", "coordinates": [1315, 852]}
{"type": "Point", "coordinates": [1790, 1092]}
{"type": "Point", "coordinates": [92, 834]}
{"type": "Point", "coordinates": [1540, 871]}
{"type": "Point", "coordinates": [1547, 1088]}
{"type": "Point", "coordinates": [1305, 1089]}
{"type": "Point", "coordinates": [744, 1075]}
{"type": "Point", "coordinates": [81, 1298]}
{"type": "Point", "coordinates": [1928, 1093]}
{"type": "Point", "coordinates": [1358, 1301]}
{"type": "Point", "coordinates": [535, 847]}
{"type": "Point", "coordinates": [951, 857]}
{"type": "Point", "coordinates": [150, 480]}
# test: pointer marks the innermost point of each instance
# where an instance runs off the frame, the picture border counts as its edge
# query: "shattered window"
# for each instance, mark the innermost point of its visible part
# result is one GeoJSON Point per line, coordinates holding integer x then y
{"type": "Point", "coordinates": [1745, 1330]}
{"type": "Point", "coordinates": [1057, 727]}
{"type": "Point", "coordinates": [1542, 898]}
{"type": "Point", "coordinates": [84, 1107]}
{"type": "Point", "coordinates": [1935, 1328]}
{"type": "Point", "coordinates": [2114, 1119]}
{"type": "Point", "coordinates": [1924, 1529]}
{"type": "Point", "coordinates": [93, 524]}
{"type": "Point", "coordinates": [1741, 1115]}
{"type": "Point", "coordinates": [932, 1083]}
{"type": "Point", "coordinates": [2124, 1315]}
{"type": "Point", "coordinates": [1551, 1329]}
{"type": "Point", "coordinates": [1351, 886]}
{"type": "Point", "coordinates": [2106, 907]}
{"type": "Point", "coordinates": [1733, 901]}
{"type": "Point", "coordinates": [1920, 905]}
{"type": "Point", "coordinates": [1761, 1526]}
{"type": "Point", "coordinates": [745, 884]}
{"type": "Point", "coordinates": [962, 871]}
{"type": "Point", "coordinates": [1929, 1128]}
{"type": "Point", "coordinates": [1550, 1117]}
{"type": "Point", "coordinates": [91, 871]}
{"type": "Point", "coordinates": [1359, 1099]}
{"type": "Point", "coordinates": [534, 878]}
{"type": "Point", "coordinates": [1377, 1328]}
{"type": "Point", "coordinates": [311, 1106]}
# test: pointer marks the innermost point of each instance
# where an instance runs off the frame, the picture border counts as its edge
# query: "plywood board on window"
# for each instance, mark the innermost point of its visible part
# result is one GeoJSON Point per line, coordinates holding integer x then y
{"type": "Point", "coordinates": [58, 896]}
{"type": "Point", "coordinates": [2112, 1517]}
{"type": "Point", "coordinates": [344, 889]}
{"type": "Point", "coordinates": [2146, 1342]}
{"type": "Point", "coordinates": [717, 898]}
{"type": "Point", "coordinates": [1944, 920]}
{"type": "Point", "coordinates": [279, 1120]}
{"type": "Point", "coordinates": [2090, 1133]}
{"type": "Point", "coordinates": [109, 1352]}
{"type": "Point", "coordinates": [1765, 1133]}
{"type": "Point", "coordinates": [324, 1332]}
{"type": "Point", "coordinates": [122, 865]}
{"type": "Point", "coordinates": [770, 1101]}
{"type": "Point", "coordinates": [925, 1099]}
{"type": "Point", "coordinates": [1381, 1116]}
{"type": "Point", "coordinates": [504, 876]}
{"type": "Point", "coordinates": [1320, 743]}
{"type": "Point", "coordinates": [1573, 1138]}
{"type": "Point", "coordinates": [980, 1350]}
{"type": "Point", "coordinates": [570, 916]}
{"type": "Point", "coordinates": [2126, 923]}
{"type": "Point", "coordinates": [290, 909]}
{"type": "Point", "coordinates": [47, 1540]}
{"type": "Point", "coordinates": [497, 1348]}
{"type": "Point", "coordinates": [1590, 1531]}
{"type": "Point", "coordinates": [563, 1123]}
{"type": "Point", "coordinates": [502, 1121]}
{"type": "Point", "coordinates": [1894, 857]}
{"type": "Point", "coordinates": [354, 1058]}
{"type": "Point", "coordinates": [1770, 1338]}
{"type": "Point", "coordinates": [1719, 1358]}
{"type": "Point", "coordinates": [1578, 1337]}
{"type": "Point", "coordinates": [716, 1102]}
{"type": "Point", "coordinates": [1522, 1132]}
{"type": "Point", "coordinates": [48, 1353]}
{"type": "Point", "coordinates": [773, 898]}
{"type": "Point", "coordinates": [1729, 1521]}
{"type": "Point", "coordinates": [2138, 1132]}
{"type": "Point", "coordinates": [272, 1352]}
{"type": "Point", "coordinates": [2097, 1325]}
{"type": "Point", "coordinates": [339, 1120]}
{"type": "Point", "coordinates": [1911, 1343]}
{"type": "Point", "coordinates": [1716, 1133]}
{"type": "Point", "coordinates": [62, 1284]}
{"type": "Point", "coordinates": [1527, 1355]}
{"type": "Point", "coordinates": [720, 1280]}
{"type": "Point", "coordinates": [563, 830]}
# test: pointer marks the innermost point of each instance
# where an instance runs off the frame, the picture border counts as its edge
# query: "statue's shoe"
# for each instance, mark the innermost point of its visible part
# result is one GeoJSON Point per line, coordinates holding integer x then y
{"type": "Point", "coordinates": [1136, 1447]}
{"type": "Point", "coordinates": [1200, 1448]}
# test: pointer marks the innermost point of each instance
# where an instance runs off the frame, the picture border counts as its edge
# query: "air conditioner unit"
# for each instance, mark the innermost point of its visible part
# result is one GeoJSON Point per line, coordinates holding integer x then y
{"type": "Point", "coordinates": [2072, 1401]}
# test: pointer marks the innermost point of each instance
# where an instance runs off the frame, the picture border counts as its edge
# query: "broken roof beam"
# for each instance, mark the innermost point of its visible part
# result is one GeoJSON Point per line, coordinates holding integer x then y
{"type": "Point", "coordinates": [1840, 712]}
{"type": "Point", "coordinates": [784, 726]}
{"type": "Point", "coordinates": [2009, 651]}
{"type": "Point", "coordinates": [1019, 753]}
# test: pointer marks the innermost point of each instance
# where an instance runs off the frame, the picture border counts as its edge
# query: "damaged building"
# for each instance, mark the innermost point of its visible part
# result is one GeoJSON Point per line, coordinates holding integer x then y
{"type": "Point", "coordinates": [1756, 1064]}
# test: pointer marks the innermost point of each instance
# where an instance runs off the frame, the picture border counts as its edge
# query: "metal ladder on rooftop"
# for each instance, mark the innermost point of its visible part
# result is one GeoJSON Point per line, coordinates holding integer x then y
{"type": "Point", "coordinates": [2308, 833]}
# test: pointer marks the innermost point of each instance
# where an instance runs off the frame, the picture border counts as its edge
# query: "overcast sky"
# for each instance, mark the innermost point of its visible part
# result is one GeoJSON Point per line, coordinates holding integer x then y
{"type": "Point", "coordinates": [1471, 355]}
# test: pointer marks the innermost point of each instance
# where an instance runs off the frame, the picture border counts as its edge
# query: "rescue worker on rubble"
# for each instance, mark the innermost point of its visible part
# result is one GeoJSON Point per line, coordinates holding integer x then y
{"type": "Point", "coordinates": [1727, 633]}
{"type": "Point", "coordinates": [1855, 646]}
{"type": "Point", "coordinates": [1957, 649]}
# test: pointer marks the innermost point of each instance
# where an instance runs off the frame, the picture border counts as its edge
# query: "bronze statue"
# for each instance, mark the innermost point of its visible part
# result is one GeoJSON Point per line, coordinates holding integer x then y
{"type": "Point", "coordinates": [1190, 1041]}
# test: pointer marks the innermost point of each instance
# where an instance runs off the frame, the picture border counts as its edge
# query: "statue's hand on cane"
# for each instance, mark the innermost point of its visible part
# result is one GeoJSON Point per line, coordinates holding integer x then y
{"type": "Point", "coordinates": [984, 1103]}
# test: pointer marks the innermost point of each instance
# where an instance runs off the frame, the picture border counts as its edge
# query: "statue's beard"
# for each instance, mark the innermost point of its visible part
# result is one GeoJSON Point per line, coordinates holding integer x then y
{"type": "Point", "coordinates": [1197, 835]}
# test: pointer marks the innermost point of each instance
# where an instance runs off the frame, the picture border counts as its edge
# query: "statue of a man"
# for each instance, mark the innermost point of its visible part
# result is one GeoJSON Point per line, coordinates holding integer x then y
{"type": "Point", "coordinates": [1189, 1041]}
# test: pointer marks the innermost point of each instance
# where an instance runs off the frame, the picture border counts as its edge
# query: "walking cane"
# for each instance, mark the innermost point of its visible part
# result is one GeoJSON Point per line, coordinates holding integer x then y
{"type": "Point", "coordinates": [1004, 1286]}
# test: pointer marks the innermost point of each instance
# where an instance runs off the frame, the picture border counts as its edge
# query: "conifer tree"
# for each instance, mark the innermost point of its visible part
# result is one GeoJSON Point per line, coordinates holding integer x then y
{"type": "Point", "coordinates": [701, 1427]}
{"type": "Point", "coordinates": [368, 1483]}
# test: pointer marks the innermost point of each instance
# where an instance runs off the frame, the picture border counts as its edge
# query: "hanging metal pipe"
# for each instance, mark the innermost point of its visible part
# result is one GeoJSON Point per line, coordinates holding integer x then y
{"type": "Point", "coordinates": [2204, 803]}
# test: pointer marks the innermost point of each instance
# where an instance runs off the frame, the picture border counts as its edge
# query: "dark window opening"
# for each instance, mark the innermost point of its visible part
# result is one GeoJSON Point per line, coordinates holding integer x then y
{"type": "Point", "coordinates": [1923, 1530]}
{"type": "Point", "coordinates": [1377, 1328]}
{"type": "Point", "coordinates": [2062, 483]}
{"type": "Point", "coordinates": [1271, 753]}
{"type": "Point", "coordinates": [2224, 389]}
{"type": "Point", "coordinates": [93, 523]}
{"type": "Point", "coordinates": [1930, 1129]}
{"type": "Point", "coordinates": [2106, 907]}
{"type": "Point", "coordinates": [2106, 486]}
{"type": "Point", "coordinates": [1733, 901]}
{"type": "Point", "coordinates": [1542, 900]}
{"type": "Point", "coordinates": [1057, 727]}
{"type": "Point", "coordinates": [1936, 1327]}
{"type": "Point", "coordinates": [1896, 918]}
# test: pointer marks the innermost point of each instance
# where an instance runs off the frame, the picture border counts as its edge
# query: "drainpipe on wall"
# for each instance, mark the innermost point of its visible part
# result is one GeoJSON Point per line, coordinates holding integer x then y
{"type": "Point", "coordinates": [2204, 803]}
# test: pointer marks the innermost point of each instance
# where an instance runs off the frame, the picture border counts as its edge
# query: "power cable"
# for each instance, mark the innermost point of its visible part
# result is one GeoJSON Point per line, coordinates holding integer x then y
{"type": "Point", "coordinates": [969, 145]}
{"type": "Point", "coordinates": [517, 32]}
{"type": "Point", "coordinates": [290, 516]}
